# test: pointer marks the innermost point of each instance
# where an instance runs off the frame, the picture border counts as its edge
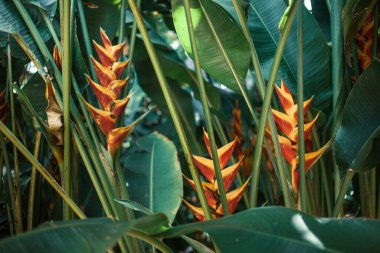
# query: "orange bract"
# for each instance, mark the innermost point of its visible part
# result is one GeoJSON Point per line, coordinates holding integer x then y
{"type": "Point", "coordinates": [210, 188]}
{"type": "Point", "coordinates": [109, 70]}
{"type": "Point", "coordinates": [288, 124]}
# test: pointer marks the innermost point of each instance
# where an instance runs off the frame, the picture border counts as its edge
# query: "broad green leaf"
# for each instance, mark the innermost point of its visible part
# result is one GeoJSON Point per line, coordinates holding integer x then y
{"type": "Point", "coordinates": [357, 142]}
{"type": "Point", "coordinates": [278, 229]}
{"type": "Point", "coordinates": [321, 13]}
{"type": "Point", "coordinates": [207, 15]}
{"type": "Point", "coordinates": [263, 19]}
{"type": "Point", "coordinates": [355, 12]}
{"type": "Point", "coordinates": [12, 23]}
{"type": "Point", "coordinates": [79, 236]}
{"type": "Point", "coordinates": [153, 174]}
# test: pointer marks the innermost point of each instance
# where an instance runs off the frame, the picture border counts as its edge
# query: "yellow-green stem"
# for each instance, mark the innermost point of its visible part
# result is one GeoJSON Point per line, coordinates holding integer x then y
{"type": "Point", "coordinates": [32, 187]}
{"type": "Point", "coordinates": [66, 79]}
{"type": "Point", "coordinates": [206, 110]}
{"type": "Point", "coordinates": [343, 190]}
{"type": "Point", "coordinates": [16, 179]}
{"type": "Point", "coordinates": [172, 109]}
{"type": "Point", "coordinates": [301, 136]}
{"type": "Point", "coordinates": [266, 104]}
{"type": "Point", "coordinates": [261, 85]}
{"type": "Point", "coordinates": [23, 150]}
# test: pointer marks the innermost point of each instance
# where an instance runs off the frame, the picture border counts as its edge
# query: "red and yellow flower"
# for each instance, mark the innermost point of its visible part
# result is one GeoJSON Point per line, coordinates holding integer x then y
{"type": "Point", "coordinates": [288, 124]}
{"type": "Point", "coordinates": [210, 188]}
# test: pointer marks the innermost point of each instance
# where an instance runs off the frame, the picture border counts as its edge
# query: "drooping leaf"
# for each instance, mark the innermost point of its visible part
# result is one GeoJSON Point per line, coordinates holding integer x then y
{"type": "Point", "coordinates": [263, 19]}
{"type": "Point", "coordinates": [357, 142]}
{"type": "Point", "coordinates": [92, 235]}
{"type": "Point", "coordinates": [154, 182]}
{"type": "Point", "coordinates": [278, 229]}
{"type": "Point", "coordinates": [207, 15]}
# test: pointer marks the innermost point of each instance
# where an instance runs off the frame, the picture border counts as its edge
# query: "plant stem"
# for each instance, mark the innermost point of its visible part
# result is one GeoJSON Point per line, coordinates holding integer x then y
{"type": "Point", "coordinates": [173, 112]}
{"type": "Point", "coordinates": [86, 39]}
{"type": "Point", "coordinates": [51, 28]}
{"type": "Point", "coordinates": [41, 169]}
{"type": "Point", "coordinates": [261, 86]}
{"type": "Point", "coordinates": [10, 183]}
{"type": "Point", "coordinates": [266, 104]}
{"type": "Point", "coordinates": [337, 71]}
{"type": "Point", "coordinates": [206, 110]}
{"type": "Point", "coordinates": [66, 78]}
{"type": "Point", "coordinates": [323, 170]}
{"type": "Point", "coordinates": [343, 190]}
{"type": "Point", "coordinates": [301, 135]}
{"type": "Point", "coordinates": [32, 188]}
{"type": "Point", "coordinates": [16, 183]}
{"type": "Point", "coordinates": [151, 240]}
{"type": "Point", "coordinates": [122, 21]}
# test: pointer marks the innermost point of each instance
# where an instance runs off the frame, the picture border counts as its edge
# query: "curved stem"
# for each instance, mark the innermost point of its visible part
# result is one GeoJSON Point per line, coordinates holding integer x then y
{"type": "Point", "coordinates": [266, 104]}
{"type": "Point", "coordinates": [261, 85]}
{"type": "Point", "coordinates": [343, 190]}
{"type": "Point", "coordinates": [172, 109]}
{"type": "Point", "coordinates": [23, 150]}
{"type": "Point", "coordinates": [122, 21]}
{"type": "Point", "coordinates": [151, 240]}
{"type": "Point", "coordinates": [206, 110]}
{"type": "Point", "coordinates": [32, 188]}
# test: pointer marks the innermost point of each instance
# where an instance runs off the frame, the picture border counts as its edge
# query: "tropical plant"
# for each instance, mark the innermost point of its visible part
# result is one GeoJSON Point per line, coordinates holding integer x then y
{"type": "Point", "coordinates": [94, 147]}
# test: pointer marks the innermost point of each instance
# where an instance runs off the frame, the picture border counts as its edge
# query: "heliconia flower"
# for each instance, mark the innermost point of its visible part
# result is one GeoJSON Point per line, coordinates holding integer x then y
{"type": "Point", "coordinates": [211, 188]}
{"type": "Point", "coordinates": [57, 58]}
{"type": "Point", "coordinates": [108, 71]}
{"type": "Point", "coordinates": [288, 124]}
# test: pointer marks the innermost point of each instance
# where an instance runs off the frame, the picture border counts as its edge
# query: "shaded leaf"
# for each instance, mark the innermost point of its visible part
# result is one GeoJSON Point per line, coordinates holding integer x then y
{"type": "Point", "coordinates": [278, 229]}
{"type": "Point", "coordinates": [154, 182]}
{"type": "Point", "coordinates": [357, 142]}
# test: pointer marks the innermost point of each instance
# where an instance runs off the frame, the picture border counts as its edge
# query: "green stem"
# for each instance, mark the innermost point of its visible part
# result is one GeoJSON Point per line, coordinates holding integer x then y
{"type": "Point", "coordinates": [51, 28]}
{"type": "Point", "coordinates": [266, 107]}
{"type": "Point", "coordinates": [343, 190]}
{"type": "Point", "coordinates": [323, 171]}
{"type": "Point", "coordinates": [10, 183]}
{"type": "Point", "coordinates": [66, 79]}
{"type": "Point", "coordinates": [372, 178]}
{"type": "Point", "coordinates": [16, 183]}
{"type": "Point", "coordinates": [206, 110]}
{"type": "Point", "coordinates": [86, 39]}
{"type": "Point", "coordinates": [122, 21]}
{"type": "Point", "coordinates": [151, 240]}
{"type": "Point", "coordinates": [32, 188]}
{"type": "Point", "coordinates": [172, 109]}
{"type": "Point", "coordinates": [301, 135]}
{"type": "Point", "coordinates": [280, 168]}
{"type": "Point", "coordinates": [23, 150]}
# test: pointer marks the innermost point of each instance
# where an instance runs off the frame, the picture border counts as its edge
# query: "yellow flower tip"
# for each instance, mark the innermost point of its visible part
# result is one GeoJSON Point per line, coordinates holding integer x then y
{"type": "Point", "coordinates": [116, 137]}
{"type": "Point", "coordinates": [206, 167]}
{"type": "Point", "coordinates": [119, 67]}
{"type": "Point", "coordinates": [104, 119]}
{"type": "Point", "coordinates": [106, 41]}
{"type": "Point", "coordinates": [105, 75]}
{"type": "Point", "coordinates": [104, 56]}
{"type": "Point", "coordinates": [197, 211]}
{"type": "Point", "coordinates": [104, 95]}
{"type": "Point", "coordinates": [118, 106]}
